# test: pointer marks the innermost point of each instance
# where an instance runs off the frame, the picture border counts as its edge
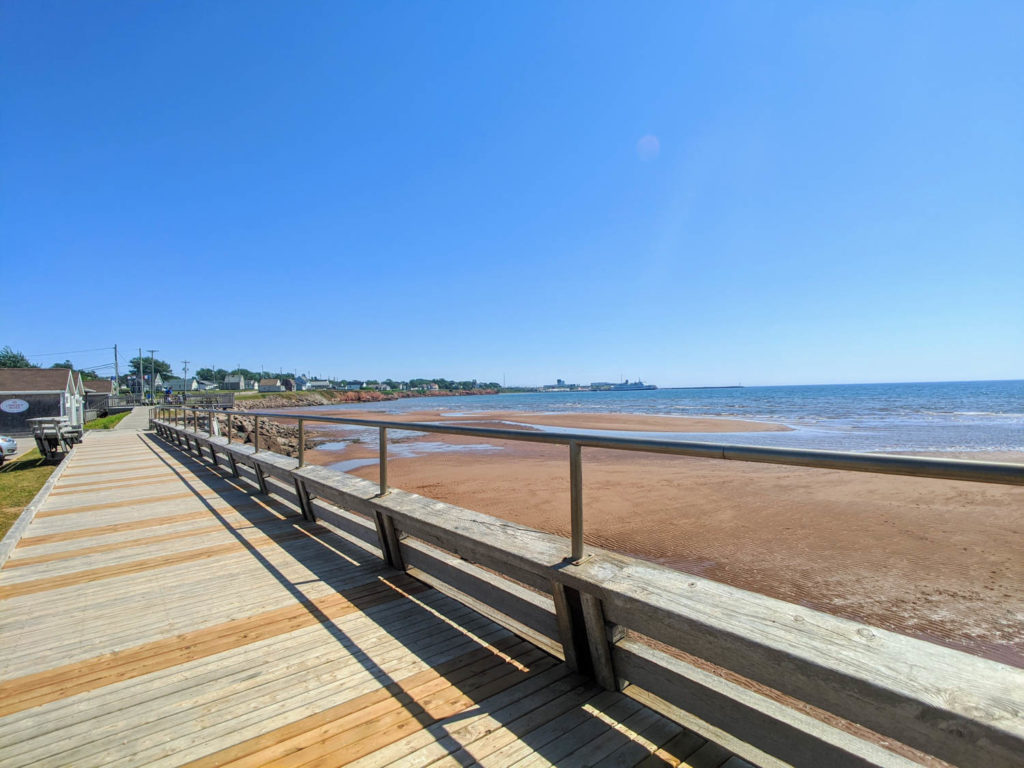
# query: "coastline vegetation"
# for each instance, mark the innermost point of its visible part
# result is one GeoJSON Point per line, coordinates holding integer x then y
{"type": "Point", "coordinates": [248, 395]}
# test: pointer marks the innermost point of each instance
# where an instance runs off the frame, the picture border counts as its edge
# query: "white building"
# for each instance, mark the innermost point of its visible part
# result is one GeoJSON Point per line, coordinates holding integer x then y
{"type": "Point", "coordinates": [29, 393]}
{"type": "Point", "coordinates": [191, 384]}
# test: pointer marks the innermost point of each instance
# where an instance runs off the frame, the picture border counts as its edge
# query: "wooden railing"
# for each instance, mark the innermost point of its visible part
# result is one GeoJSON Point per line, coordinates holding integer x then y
{"type": "Point", "coordinates": [960, 708]}
{"type": "Point", "coordinates": [198, 398]}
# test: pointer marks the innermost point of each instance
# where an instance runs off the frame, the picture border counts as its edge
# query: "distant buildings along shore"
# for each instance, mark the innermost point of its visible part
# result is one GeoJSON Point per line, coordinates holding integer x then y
{"type": "Point", "coordinates": [598, 386]}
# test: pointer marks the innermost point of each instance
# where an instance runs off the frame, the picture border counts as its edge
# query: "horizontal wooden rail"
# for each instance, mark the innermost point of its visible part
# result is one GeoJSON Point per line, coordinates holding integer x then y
{"type": "Point", "coordinates": [963, 709]}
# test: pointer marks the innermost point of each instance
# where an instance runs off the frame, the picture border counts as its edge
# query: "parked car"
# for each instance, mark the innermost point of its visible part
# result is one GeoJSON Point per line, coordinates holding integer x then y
{"type": "Point", "coordinates": [8, 447]}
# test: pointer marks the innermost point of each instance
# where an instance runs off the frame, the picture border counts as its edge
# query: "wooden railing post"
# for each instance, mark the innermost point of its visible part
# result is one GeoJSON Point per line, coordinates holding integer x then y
{"type": "Point", "coordinates": [305, 500]}
{"type": "Point", "coordinates": [585, 636]}
{"type": "Point", "coordinates": [600, 638]}
{"type": "Point", "coordinates": [571, 627]}
{"type": "Point", "coordinates": [261, 479]}
{"type": "Point", "coordinates": [389, 539]}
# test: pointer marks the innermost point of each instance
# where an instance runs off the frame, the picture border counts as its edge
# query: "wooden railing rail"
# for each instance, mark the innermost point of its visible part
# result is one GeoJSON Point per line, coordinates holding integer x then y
{"type": "Point", "coordinates": [961, 708]}
{"type": "Point", "coordinates": [916, 466]}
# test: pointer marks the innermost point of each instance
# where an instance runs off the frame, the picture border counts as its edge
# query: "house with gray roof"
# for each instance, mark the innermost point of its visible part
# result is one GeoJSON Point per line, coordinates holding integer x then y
{"type": "Point", "coordinates": [191, 384]}
{"type": "Point", "coordinates": [98, 393]}
{"type": "Point", "coordinates": [31, 393]}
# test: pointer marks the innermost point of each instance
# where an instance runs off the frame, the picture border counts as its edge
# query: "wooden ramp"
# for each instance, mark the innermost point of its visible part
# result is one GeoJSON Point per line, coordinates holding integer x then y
{"type": "Point", "coordinates": [158, 612]}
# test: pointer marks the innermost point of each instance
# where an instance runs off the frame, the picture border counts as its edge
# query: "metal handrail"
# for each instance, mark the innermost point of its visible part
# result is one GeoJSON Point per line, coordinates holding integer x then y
{"type": "Point", "coordinates": [913, 466]}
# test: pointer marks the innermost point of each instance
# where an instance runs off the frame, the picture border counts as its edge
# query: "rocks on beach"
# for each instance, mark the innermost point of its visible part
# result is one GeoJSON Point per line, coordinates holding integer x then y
{"type": "Point", "coordinates": [276, 437]}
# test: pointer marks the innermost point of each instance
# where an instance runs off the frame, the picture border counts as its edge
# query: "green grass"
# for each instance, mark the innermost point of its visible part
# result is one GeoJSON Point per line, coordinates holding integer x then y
{"type": "Point", "coordinates": [264, 395]}
{"type": "Point", "coordinates": [107, 422]}
{"type": "Point", "coordinates": [20, 481]}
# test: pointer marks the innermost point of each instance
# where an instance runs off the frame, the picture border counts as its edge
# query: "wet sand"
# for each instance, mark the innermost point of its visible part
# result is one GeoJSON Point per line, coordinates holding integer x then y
{"type": "Point", "coordinates": [934, 559]}
{"type": "Point", "coordinates": [625, 422]}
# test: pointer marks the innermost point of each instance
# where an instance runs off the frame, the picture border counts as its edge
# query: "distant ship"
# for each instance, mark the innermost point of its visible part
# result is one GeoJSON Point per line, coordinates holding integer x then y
{"type": "Point", "coordinates": [625, 386]}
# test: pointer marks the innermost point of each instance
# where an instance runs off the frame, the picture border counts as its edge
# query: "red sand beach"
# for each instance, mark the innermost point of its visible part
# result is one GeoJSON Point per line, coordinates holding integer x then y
{"type": "Point", "coordinates": [935, 559]}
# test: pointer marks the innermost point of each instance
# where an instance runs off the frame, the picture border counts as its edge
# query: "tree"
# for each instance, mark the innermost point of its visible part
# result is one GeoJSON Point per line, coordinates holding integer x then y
{"type": "Point", "coordinates": [11, 359]}
{"type": "Point", "coordinates": [157, 366]}
{"type": "Point", "coordinates": [252, 375]}
{"type": "Point", "coordinates": [86, 375]}
{"type": "Point", "coordinates": [209, 374]}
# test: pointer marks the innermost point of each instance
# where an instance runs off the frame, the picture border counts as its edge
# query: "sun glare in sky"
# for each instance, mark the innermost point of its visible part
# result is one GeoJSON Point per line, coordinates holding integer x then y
{"type": "Point", "coordinates": [648, 147]}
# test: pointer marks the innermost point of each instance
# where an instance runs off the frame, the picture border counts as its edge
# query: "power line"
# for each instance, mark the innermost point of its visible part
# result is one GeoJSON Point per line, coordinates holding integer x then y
{"type": "Point", "coordinates": [152, 373]}
{"type": "Point", "coordinates": [71, 352]}
{"type": "Point", "coordinates": [90, 367]}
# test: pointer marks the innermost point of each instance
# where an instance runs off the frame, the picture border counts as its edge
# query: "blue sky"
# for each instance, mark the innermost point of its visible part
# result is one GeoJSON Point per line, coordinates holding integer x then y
{"type": "Point", "coordinates": [694, 194]}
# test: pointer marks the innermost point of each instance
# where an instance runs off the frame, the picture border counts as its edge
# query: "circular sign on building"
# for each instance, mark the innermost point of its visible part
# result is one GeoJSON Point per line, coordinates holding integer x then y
{"type": "Point", "coordinates": [14, 406]}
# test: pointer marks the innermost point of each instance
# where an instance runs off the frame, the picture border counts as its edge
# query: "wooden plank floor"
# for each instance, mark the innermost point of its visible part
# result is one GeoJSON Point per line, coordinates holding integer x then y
{"type": "Point", "coordinates": [158, 612]}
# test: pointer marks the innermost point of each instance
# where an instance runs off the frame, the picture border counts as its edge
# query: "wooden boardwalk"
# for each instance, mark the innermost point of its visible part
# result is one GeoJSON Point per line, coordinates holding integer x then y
{"type": "Point", "coordinates": [159, 612]}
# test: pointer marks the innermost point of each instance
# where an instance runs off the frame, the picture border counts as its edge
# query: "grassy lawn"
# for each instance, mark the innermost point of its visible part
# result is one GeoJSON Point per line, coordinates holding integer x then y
{"type": "Point", "coordinates": [250, 395]}
{"type": "Point", "coordinates": [19, 481]}
{"type": "Point", "coordinates": [265, 395]}
{"type": "Point", "coordinates": [107, 422]}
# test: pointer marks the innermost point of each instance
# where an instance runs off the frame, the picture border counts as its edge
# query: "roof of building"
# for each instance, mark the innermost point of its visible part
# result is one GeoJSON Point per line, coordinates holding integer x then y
{"type": "Point", "coordinates": [35, 379]}
{"type": "Point", "coordinates": [234, 377]}
{"type": "Point", "coordinates": [270, 382]}
{"type": "Point", "coordinates": [104, 386]}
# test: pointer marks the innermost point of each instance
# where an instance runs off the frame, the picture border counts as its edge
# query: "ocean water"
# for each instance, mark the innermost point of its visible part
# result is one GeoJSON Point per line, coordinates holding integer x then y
{"type": "Point", "coordinates": [939, 416]}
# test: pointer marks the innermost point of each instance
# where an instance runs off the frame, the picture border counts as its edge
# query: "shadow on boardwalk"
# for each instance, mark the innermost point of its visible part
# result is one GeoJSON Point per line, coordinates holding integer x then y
{"type": "Point", "coordinates": [481, 694]}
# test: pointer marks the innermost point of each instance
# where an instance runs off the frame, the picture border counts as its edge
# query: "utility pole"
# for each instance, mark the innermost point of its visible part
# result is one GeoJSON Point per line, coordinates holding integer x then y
{"type": "Point", "coordinates": [184, 379]}
{"type": "Point", "coordinates": [142, 377]}
{"type": "Point", "coordinates": [152, 374]}
{"type": "Point", "coordinates": [117, 374]}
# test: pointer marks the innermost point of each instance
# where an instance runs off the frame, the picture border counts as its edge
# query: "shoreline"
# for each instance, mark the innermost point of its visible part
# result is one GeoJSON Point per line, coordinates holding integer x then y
{"type": "Point", "coordinates": [315, 398]}
{"type": "Point", "coordinates": [625, 422]}
{"type": "Point", "coordinates": [934, 559]}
